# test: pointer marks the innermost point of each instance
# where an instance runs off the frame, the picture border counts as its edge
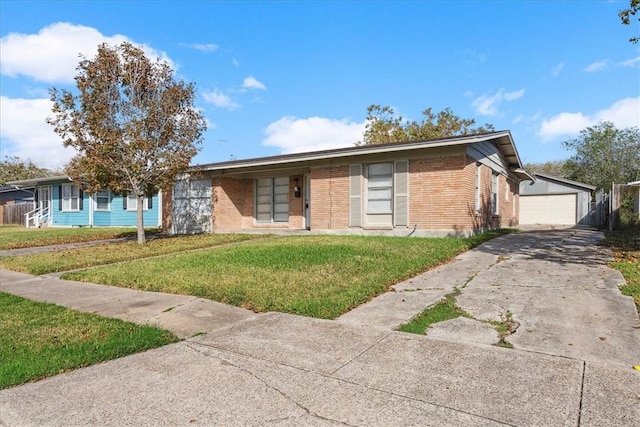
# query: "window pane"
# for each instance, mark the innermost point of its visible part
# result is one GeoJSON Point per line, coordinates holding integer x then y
{"type": "Point", "coordinates": [380, 193]}
{"type": "Point", "coordinates": [380, 169]}
{"type": "Point", "coordinates": [379, 206]}
{"type": "Point", "coordinates": [282, 181]}
{"type": "Point", "coordinates": [132, 202]}
{"type": "Point", "coordinates": [379, 181]}
{"type": "Point", "coordinates": [264, 199]}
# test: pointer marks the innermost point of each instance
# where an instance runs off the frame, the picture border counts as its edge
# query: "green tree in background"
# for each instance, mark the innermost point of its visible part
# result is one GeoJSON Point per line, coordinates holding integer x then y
{"type": "Point", "coordinates": [134, 127]}
{"type": "Point", "coordinates": [553, 167]}
{"type": "Point", "coordinates": [383, 126]}
{"type": "Point", "coordinates": [603, 155]}
{"type": "Point", "coordinates": [14, 169]}
{"type": "Point", "coordinates": [626, 16]}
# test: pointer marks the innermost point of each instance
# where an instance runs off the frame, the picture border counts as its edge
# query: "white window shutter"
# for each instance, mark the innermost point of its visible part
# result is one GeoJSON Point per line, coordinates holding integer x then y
{"type": "Point", "coordinates": [401, 194]}
{"type": "Point", "coordinates": [355, 196]}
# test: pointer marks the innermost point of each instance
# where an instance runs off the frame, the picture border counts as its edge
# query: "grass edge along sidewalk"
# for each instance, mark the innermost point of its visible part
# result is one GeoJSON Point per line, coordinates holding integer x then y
{"type": "Point", "coordinates": [16, 237]}
{"type": "Point", "coordinates": [38, 340]}
{"type": "Point", "coordinates": [72, 259]}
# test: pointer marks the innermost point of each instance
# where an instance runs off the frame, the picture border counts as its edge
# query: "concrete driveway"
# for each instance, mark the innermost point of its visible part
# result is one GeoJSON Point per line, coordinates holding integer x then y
{"type": "Point", "coordinates": [554, 284]}
{"type": "Point", "coordinates": [571, 363]}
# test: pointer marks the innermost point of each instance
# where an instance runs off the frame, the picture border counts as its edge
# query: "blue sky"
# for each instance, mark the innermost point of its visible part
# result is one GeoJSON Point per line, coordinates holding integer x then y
{"type": "Point", "coordinates": [281, 77]}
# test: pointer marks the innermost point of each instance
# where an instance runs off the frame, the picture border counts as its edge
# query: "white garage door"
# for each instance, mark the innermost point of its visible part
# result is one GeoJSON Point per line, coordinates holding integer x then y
{"type": "Point", "coordinates": [192, 206]}
{"type": "Point", "coordinates": [555, 209]}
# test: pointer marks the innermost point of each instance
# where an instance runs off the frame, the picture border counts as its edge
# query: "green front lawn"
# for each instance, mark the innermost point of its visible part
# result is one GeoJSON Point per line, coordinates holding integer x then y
{"type": "Point", "coordinates": [70, 259]}
{"type": "Point", "coordinates": [12, 237]}
{"type": "Point", "coordinates": [317, 276]}
{"type": "Point", "coordinates": [39, 340]}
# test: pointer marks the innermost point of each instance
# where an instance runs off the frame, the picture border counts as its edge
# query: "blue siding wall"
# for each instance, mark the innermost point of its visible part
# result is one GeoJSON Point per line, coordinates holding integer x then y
{"type": "Point", "coordinates": [64, 218]}
{"type": "Point", "coordinates": [115, 216]}
{"type": "Point", "coordinates": [118, 216]}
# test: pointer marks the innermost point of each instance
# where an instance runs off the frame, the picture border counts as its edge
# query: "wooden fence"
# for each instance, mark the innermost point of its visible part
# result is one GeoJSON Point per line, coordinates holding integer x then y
{"type": "Point", "coordinates": [14, 214]}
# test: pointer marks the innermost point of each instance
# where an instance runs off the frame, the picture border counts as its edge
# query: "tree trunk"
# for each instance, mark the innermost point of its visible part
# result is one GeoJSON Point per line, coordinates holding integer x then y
{"type": "Point", "coordinates": [140, 219]}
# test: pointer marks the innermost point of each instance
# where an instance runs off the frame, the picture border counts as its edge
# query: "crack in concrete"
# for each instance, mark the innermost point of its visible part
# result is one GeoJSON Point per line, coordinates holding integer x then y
{"type": "Point", "coordinates": [271, 387]}
{"type": "Point", "coordinates": [584, 368]}
{"type": "Point", "coordinates": [331, 377]}
{"type": "Point", "coordinates": [361, 353]}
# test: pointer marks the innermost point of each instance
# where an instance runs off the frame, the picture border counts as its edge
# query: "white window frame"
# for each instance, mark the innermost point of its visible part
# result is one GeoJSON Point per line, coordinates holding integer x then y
{"type": "Point", "coordinates": [274, 194]}
{"type": "Point", "coordinates": [495, 191]}
{"type": "Point", "coordinates": [102, 194]}
{"type": "Point", "coordinates": [379, 187]}
{"type": "Point", "coordinates": [68, 197]}
{"type": "Point", "coordinates": [132, 203]}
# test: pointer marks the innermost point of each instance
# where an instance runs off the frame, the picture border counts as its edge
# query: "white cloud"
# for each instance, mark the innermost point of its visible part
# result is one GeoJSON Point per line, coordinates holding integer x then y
{"type": "Point", "coordinates": [252, 83]}
{"type": "Point", "coordinates": [488, 105]}
{"type": "Point", "coordinates": [220, 99]}
{"type": "Point", "coordinates": [293, 135]}
{"type": "Point", "coordinates": [52, 55]}
{"type": "Point", "coordinates": [633, 62]}
{"type": "Point", "coordinates": [557, 69]}
{"type": "Point", "coordinates": [594, 67]}
{"type": "Point", "coordinates": [202, 47]}
{"type": "Point", "coordinates": [235, 62]}
{"type": "Point", "coordinates": [623, 113]}
{"type": "Point", "coordinates": [26, 134]}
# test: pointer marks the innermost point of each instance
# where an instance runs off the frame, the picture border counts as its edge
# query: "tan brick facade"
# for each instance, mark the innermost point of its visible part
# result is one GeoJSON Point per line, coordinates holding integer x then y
{"type": "Point", "coordinates": [330, 198]}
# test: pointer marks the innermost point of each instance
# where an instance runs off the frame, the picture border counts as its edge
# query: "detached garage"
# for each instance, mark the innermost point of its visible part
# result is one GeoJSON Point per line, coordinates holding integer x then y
{"type": "Point", "coordinates": [554, 201]}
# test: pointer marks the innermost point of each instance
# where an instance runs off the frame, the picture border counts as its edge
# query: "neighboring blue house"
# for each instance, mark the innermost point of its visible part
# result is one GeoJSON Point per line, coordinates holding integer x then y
{"type": "Point", "coordinates": [60, 202]}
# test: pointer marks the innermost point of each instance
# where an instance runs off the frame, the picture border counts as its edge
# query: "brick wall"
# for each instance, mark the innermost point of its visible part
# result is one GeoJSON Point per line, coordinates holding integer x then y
{"type": "Point", "coordinates": [232, 203]}
{"type": "Point", "coordinates": [441, 193]}
{"type": "Point", "coordinates": [330, 197]}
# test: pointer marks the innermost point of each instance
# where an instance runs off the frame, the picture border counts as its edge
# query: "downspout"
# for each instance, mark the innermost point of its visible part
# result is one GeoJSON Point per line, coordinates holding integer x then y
{"type": "Point", "coordinates": [91, 210]}
{"type": "Point", "coordinates": [160, 209]}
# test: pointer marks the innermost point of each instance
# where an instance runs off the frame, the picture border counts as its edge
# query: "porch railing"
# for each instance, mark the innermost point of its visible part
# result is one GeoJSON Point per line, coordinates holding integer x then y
{"type": "Point", "coordinates": [36, 217]}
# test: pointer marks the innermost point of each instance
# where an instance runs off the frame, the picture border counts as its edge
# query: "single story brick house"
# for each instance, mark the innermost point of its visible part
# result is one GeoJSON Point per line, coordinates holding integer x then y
{"type": "Point", "coordinates": [451, 186]}
{"type": "Point", "coordinates": [60, 202]}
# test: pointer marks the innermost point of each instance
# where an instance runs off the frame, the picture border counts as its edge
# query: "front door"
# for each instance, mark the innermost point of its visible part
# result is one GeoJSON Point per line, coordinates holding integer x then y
{"type": "Point", "coordinates": [44, 198]}
{"type": "Point", "coordinates": [307, 202]}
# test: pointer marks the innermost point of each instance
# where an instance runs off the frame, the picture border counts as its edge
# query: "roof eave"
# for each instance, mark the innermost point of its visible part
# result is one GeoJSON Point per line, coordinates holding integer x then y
{"type": "Point", "coordinates": [359, 151]}
{"type": "Point", "coordinates": [26, 183]}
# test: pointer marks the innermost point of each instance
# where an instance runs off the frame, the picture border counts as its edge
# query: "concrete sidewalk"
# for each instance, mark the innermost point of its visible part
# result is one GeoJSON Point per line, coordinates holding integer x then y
{"type": "Point", "coordinates": [274, 368]}
{"type": "Point", "coordinates": [184, 315]}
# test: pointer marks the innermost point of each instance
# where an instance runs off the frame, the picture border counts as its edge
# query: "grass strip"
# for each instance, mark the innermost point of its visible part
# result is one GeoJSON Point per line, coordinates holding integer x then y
{"type": "Point", "coordinates": [625, 245]}
{"type": "Point", "coordinates": [12, 237]}
{"type": "Point", "coordinates": [445, 309]}
{"type": "Point", "coordinates": [71, 259]}
{"type": "Point", "coordinates": [38, 340]}
{"type": "Point", "coordinates": [316, 276]}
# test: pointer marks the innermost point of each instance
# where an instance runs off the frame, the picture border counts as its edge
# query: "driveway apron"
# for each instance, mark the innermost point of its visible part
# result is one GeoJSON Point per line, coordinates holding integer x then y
{"type": "Point", "coordinates": [563, 298]}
